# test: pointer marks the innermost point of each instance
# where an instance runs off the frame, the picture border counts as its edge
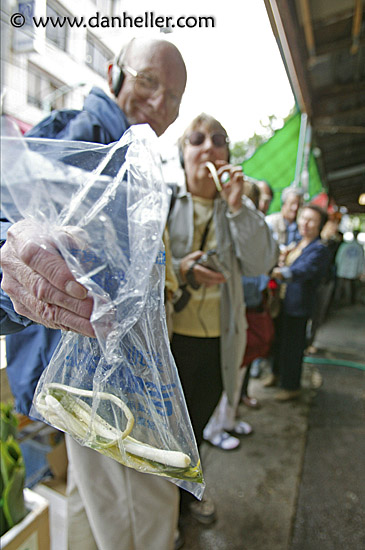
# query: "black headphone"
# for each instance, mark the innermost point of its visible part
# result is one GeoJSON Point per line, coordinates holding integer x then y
{"type": "Point", "coordinates": [117, 71]}
{"type": "Point", "coordinates": [117, 79]}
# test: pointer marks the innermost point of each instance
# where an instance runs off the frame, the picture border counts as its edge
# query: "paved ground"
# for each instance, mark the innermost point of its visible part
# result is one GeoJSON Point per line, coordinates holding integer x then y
{"type": "Point", "coordinates": [297, 483]}
{"type": "Point", "coordinates": [331, 505]}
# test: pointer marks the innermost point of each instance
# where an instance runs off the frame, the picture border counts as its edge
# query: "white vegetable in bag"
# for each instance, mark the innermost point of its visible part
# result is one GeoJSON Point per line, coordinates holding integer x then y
{"type": "Point", "coordinates": [105, 208]}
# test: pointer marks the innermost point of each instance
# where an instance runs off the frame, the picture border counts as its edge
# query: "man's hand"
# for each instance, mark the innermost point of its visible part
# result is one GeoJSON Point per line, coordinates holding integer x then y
{"type": "Point", "coordinates": [202, 275]}
{"type": "Point", "coordinates": [39, 283]}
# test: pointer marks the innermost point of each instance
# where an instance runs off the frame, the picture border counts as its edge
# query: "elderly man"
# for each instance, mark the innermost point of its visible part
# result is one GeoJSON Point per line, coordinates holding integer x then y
{"type": "Point", "coordinates": [283, 223]}
{"type": "Point", "coordinates": [110, 506]}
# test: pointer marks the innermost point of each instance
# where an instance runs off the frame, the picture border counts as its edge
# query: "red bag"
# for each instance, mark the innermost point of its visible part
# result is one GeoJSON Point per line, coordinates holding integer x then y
{"type": "Point", "coordinates": [260, 334]}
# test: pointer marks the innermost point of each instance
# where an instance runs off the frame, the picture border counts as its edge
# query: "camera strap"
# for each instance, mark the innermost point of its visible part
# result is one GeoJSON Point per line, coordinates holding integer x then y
{"type": "Point", "coordinates": [205, 234]}
{"type": "Point", "coordinates": [185, 294]}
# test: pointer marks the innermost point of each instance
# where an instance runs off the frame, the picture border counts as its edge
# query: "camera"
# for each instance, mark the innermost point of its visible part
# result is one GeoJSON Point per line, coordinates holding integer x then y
{"type": "Point", "coordinates": [211, 261]}
{"type": "Point", "coordinates": [181, 298]}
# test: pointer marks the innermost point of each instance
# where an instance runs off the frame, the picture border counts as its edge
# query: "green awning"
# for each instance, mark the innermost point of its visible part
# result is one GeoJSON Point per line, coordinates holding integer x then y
{"type": "Point", "coordinates": [275, 161]}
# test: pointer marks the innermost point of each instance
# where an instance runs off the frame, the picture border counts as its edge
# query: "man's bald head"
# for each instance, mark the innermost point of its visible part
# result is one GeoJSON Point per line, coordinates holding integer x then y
{"type": "Point", "coordinates": [151, 63]}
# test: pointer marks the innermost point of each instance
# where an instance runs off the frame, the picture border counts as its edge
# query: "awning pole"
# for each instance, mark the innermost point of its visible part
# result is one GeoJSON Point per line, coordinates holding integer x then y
{"type": "Point", "coordinates": [302, 134]}
{"type": "Point", "coordinates": [304, 175]}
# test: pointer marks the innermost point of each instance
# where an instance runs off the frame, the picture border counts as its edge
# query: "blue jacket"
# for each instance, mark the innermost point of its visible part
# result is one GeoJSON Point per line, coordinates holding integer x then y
{"type": "Point", "coordinates": [29, 347]}
{"type": "Point", "coordinates": [305, 274]}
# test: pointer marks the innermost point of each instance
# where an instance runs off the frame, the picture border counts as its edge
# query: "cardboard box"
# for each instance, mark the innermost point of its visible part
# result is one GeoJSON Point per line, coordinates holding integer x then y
{"type": "Point", "coordinates": [32, 533]}
{"type": "Point", "coordinates": [58, 461]}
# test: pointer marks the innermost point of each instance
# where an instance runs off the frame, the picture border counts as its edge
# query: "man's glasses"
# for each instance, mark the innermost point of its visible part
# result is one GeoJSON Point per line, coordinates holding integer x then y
{"type": "Point", "coordinates": [198, 138]}
{"type": "Point", "coordinates": [147, 85]}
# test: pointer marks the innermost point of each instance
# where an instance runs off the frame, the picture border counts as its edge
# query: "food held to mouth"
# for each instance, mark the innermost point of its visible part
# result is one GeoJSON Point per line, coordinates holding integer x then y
{"type": "Point", "coordinates": [212, 169]}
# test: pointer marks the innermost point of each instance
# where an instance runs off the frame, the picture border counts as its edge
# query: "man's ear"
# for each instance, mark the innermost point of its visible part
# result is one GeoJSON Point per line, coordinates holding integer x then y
{"type": "Point", "coordinates": [110, 77]}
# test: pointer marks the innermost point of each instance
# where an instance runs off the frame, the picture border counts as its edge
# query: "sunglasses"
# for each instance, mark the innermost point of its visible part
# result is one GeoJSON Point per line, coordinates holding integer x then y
{"type": "Point", "coordinates": [198, 138]}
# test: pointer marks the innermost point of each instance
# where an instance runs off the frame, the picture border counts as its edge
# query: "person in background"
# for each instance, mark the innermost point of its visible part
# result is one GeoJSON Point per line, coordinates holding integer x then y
{"type": "Point", "coordinates": [109, 506]}
{"type": "Point", "coordinates": [266, 196]}
{"type": "Point", "coordinates": [332, 238]}
{"type": "Point", "coordinates": [284, 223]}
{"type": "Point", "coordinates": [300, 276]}
{"type": "Point", "coordinates": [209, 328]}
{"type": "Point", "coordinates": [285, 230]}
{"type": "Point", "coordinates": [254, 289]}
{"type": "Point", "coordinates": [350, 266]}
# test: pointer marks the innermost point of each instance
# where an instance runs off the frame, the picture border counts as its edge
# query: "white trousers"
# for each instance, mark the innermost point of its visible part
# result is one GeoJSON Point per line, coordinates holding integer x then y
{"type": "Point", "coordinates": [112, 507]}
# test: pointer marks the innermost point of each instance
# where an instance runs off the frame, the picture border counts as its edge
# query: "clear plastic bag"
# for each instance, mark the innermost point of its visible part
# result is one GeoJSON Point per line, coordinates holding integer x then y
{"type": "Point", "coordinates": [105, 208]}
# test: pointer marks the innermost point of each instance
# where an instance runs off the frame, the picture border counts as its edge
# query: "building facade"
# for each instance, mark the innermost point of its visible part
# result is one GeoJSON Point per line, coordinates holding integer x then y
{"type": "Point", "coordinates": [54, 63]}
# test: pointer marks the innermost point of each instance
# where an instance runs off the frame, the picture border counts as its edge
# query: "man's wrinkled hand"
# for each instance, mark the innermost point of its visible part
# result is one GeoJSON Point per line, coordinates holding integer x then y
{"type": "Point", "coordinates": [39, 283]}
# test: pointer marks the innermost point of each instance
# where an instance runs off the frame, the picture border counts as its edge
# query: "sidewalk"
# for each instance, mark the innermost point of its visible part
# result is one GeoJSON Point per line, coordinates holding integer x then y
{"type": "Point", "coordinates": [297, 483]}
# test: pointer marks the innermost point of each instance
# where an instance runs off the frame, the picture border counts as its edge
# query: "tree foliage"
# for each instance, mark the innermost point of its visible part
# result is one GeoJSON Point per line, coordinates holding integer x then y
{"type": "Point", "coordinates": [242, 150]}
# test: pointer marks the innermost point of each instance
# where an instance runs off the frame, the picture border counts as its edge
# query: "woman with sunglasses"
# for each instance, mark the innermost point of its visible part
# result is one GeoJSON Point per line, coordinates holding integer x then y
{"type": "Point", "coordinates": [210, 213]}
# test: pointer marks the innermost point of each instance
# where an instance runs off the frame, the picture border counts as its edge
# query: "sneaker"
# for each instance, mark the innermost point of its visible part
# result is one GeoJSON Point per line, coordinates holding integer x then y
{"type": "Point", "coordinates": [270, 381]}
{"type": "Point", "coordinates": [287, 395]}
{"type": "Point", "coordinates": [241, 428]}
{"type": "Point", "coordinates": [203, 511]}
{"type": "Point", "coordinates": [316, 379]}
{"type": "Point", "coordinates": [224, 441]}
{"type": "Point", "coordinates": [250, 402]}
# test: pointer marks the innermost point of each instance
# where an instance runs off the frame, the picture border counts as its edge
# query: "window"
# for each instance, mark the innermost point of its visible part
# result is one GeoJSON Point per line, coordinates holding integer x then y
{"type": "Point", "coordinates": [97, 56]}
{"type": "Point", "coordinates": [116, 7]}
{"type": "Point", "coordinates": [40, 86]}
{"type": "Point", "coordinates": [56, 33]}
{"type": "Point", "coordinates": [104, 6]}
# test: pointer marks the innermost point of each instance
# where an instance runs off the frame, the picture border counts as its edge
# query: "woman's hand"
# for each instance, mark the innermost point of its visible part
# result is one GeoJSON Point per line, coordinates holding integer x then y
{"type": "Point", "coordinates": [277, 274]}
{"type": "Point", "coordinates": [233, 188]}
{"type": "Point", "coordinates": [202, 275]}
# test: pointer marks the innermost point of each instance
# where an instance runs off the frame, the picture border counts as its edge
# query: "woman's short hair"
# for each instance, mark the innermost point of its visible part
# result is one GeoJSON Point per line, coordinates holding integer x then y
{"type": "Point", "coordinates": [291, 190]}
{"type": "Point", "coordinates": [320, 211]}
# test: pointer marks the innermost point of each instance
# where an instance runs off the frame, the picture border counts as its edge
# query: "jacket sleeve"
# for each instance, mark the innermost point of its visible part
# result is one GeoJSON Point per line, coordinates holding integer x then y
{"type": "Point", "coordinates": [311, 265]}
{"type": "Point", "coordinates": [10, 321]}
{"type": "Point", "coordinates": [255, 246]}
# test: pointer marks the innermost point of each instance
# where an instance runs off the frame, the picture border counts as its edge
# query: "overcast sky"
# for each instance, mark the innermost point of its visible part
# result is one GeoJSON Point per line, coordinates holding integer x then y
{"type": "Point", "coordinates": [235, 71]}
